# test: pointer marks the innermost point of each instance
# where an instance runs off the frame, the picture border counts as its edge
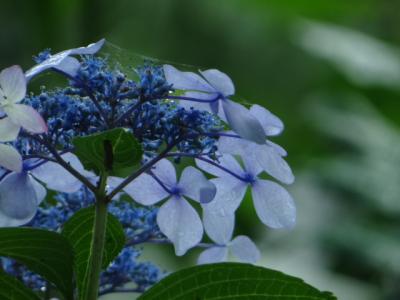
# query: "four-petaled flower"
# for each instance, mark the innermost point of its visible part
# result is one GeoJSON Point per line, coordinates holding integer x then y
{"type": "Point", "coordinates": [211, 93]}
{"type": "Point", "coordinates": [21, 193]}
{"type": "Point", "coordinates": [14, 116]}
{"type": "Point", "coordinates": [177, 219]}
{"type": "Point", "coordinates": [274, 205]}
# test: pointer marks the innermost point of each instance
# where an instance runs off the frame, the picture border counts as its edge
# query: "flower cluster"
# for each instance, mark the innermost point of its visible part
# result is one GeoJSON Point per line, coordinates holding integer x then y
{"type": "Point", "coordinates": [173, 114]}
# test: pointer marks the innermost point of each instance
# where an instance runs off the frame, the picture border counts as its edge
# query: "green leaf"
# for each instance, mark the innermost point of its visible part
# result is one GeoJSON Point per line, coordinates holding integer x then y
{"type": "Point", "coordinates": [12, 289]}
{"type": "Point", "coordinates": [115, 151]}
{"type": "Point", "coordinates": [232, 281]}
{"type": "Point", "coordinates": [46, 253]}
{"type": "Point", "coordinates": [79, 231]}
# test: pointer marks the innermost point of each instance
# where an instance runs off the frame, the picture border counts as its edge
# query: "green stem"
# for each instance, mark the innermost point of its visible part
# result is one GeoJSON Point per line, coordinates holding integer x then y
{"type": "Point", "coordinates": [98, 243]}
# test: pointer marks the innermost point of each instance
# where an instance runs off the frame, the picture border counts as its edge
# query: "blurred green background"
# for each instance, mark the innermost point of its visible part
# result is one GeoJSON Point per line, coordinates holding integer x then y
{"type": "Point", "coordinates": [329, 69]}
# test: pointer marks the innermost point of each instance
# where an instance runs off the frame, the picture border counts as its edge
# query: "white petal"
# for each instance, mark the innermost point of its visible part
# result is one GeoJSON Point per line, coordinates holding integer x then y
{"type": "Point", "coordinates": [146, 190]}
{"type": "Point", "coordinates": [195, 185]}
{"type": "Point", "coordinates": [181, 224]}
{"type": "Point", "coordinates": [13, 84]}
{"type": "Point", "coordinates": [213, 255]}
{"type": "Point", "coordinates": [272, 162]}
{"type": "Point", "coordinates": [243, 248]}
{"type": "Point", "coordinates": [218, 225]}
{"type": "Point", "coordinates": [165, 171]}
{"type": "Point", "coordinates": [242, 122]}
{"type": "Point", "coordinates": [220, 81]}
{"type": "Point", "coordinates": [57, 178]}
{"type": "Point", "coordinates": [26, 117]}
{"type": "Point", "coordinates": [8, 130]}
{"type": "Point", "coordinates": [272, 124]}
{"type": "Point", "coordinates": [10, 158]}
{"type": "Point", "coordinates": [226, 161]}
{"type": "Point", "coordinates": [274, 205]}
{"type": "Point", "coordinates": [186, 80]}
{"type": "Point", "coordinates": [18, 200]}
{"type": "Point", "coordinates": [230, 193]}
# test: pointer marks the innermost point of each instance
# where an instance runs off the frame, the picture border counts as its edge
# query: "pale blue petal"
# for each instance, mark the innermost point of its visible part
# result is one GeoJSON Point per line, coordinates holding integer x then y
{"type": "Point", "coordinates": [10, 158]}
{"type": "Point", "coordinates": [218, 225]}
{"type": "Point", "coordinates": [251, 165]}
{"type": "Point", "coordinates": [8, 130]}
{"type": "Point", "coordinates": [243, 122]}
{"type": "Point", "coordinates": [186, 80]}
{"type": "Point", "coordinates": [60, 62]}
{"type": "Point", "coordinates": [181, 224]}
{"type": "Point", "coordinates": [39, 190]}
{"type": "Point", "coordinates": [220, 81]}
{"type": "Point", "coordinates": [165, 172]}
{"type": "Point", "coordinates": [187, 104]}
{"type": "Point", "coordinates": [69, 65]}
{"type": "Point", "coordinates": [227, 161]}
{"type": "Point", "coordinates": [274, 205]}
{"type": "Point", "coordinates": [272, 124]}
{"type": "Point", "coordinates": [272, 162]}
{"type": "Point", "coordinates": [195, 185]}
{"type": "Point", "coordinates": [57, 178]}
{"type": "Point", "coordinates": [244, 249]}
{"type": "Point", "coordinates": [213, 255]}
{"type": "Point", "coordinates": [146, 190]}
{"type": "Point", "coordinates": [233, 145]}
{"type": "Point", "coordinates": [12, 85]}
{"type": "Point", "coordinates": [278, 148]}
{"type": "Point", "coordinates": [230, 193]}
{"type": "Point", "coordinates": [18, 200]}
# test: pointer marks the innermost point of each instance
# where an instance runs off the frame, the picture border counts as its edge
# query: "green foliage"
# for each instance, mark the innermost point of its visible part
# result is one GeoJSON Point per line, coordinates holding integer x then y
{"type": "Point", "coordinates": [115, 151]}
{"type": "Point", "coordinates": [46, 253]}
{"type": "Point", "coordinates": [79, 231]}
{"type": "Point", "coordinates": [12, 289]}
{"type": "Point", "coordinates": [232, 281]}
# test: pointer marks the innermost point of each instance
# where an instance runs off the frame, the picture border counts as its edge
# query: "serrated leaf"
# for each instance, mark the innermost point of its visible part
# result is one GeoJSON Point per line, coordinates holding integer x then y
{"type": "Point", "coordinates": [126, 151]}
{"type": "Point", "coordinates": [232, 281]}
{"type": "Point", "coordinates": [12, 289]}
{"type": "Point", "coordinates": [79, 231]}
{"type": "Point", "coordinates": [46, 253]}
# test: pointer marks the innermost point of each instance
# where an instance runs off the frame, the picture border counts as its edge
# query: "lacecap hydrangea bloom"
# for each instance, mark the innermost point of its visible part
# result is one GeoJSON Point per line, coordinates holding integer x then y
{"type": "Point", "coordinates": [177, 117]}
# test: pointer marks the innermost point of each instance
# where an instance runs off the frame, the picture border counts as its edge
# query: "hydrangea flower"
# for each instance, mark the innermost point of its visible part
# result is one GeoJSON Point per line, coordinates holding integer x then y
{"type": "Point", "coordinates": [270, 155]}
{"type": "Point", "coordinates": [211, 92]}
{"type": "Point", "coordinates": [220, 230]}
{"type": "Point", "coordinates": [22, 192]}
{"type": "Point", "coordinates": [274, 205]}
{"type": "Point", "coordinates": [13, 116]}
{"type": "Point", "coordinates": [63, 61]}
{"type": "Point", "coordinates": [177, 219]}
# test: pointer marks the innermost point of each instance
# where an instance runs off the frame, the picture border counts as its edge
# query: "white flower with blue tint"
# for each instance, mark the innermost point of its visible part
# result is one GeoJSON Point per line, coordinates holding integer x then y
{"type": "Point", "coordinates": [22, 192]}
{"type": "Point", "coordinates": [270, 155]}
{"type": "Point", "coordinates": [177, 219]}
{"type": "Point", "coordinates": [211, 93]}
{"type": "Point", "coordinates": [274, 205]}
{"type": "Point", "coordinates": [13, 116]}
{"type": "Point", "coordinates": [219, 227]}
{"type": "Point", "coordinates": [63, 61]}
